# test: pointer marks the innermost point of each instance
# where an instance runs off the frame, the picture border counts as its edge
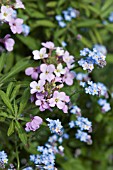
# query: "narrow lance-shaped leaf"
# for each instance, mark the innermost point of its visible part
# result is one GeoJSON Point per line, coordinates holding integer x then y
{"type": "Point", "coordinates": [6, 100]}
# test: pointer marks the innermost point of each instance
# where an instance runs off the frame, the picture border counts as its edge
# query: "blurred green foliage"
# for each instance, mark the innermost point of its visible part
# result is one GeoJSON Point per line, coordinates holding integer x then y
{"type": "Point", "coordinates": [94, 27]}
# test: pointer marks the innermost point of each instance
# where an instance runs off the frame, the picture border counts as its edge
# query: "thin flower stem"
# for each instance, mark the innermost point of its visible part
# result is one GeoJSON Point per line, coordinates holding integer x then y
{"type": "Point", "coordinates": [17, 157]}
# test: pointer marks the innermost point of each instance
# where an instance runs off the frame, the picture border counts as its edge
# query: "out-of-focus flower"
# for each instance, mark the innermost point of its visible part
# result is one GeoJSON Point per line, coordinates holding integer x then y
{"type": "Point", "coordinates": [34, 124]}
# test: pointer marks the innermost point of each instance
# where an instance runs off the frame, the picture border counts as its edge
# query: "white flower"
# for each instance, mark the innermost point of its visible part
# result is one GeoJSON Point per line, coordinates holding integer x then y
{"type": "Point", "coordinates": [40, 54]}
{"type": "Point", "coordinates": [59, 51]}
{"type": "Point", "coordinates": [59, 70]}
{"type": "Point", "coordinates": [6, 13]}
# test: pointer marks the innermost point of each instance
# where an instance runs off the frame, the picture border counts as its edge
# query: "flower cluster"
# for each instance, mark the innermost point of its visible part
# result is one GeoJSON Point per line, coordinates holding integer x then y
{"type": "Point", "coordinates": [51, 75]}
{"type": "Point", "coordinates": [105, 105]}
{"type": "Point", "coordinates": [55, 126]}
{"type": "Point", "coordinates": [46, 160]}
{"type": "Point", "coordinates": [34, 124]}
{"type": "Point", "coordinates": [101, 48]}
{"type": "Point", "coordinates": [83, 124]}
{"type": "Point", "coordinates": [8, 15]}
{"type": "Point", "coordinates": [67, 15]}
{"type": "Point", "coordinates": [98, 89]}
{"type": "Point", "coordinates": [3, 159]}
{"type": "Point", "coordinates": [91, 58]}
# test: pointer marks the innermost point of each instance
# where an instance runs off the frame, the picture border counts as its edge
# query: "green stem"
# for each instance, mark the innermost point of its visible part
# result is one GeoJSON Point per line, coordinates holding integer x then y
{"type": "Point", "coordinates": [17, 157]}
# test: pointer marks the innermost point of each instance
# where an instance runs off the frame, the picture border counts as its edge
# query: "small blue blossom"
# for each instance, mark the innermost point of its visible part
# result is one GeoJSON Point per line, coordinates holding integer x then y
{"type": "Point", "coordinates": [110, 18]}
{"type": "Point", "coordinates": [25, 30]}
{"type": "Point", "coordinates": [72, 124]}
{"type": "Point", "coordinates": [75, 110]}
{"type": "Point", "coordinates": [83, 123]}
{"type": "Point", "coordinates": [62, 24]}
{"type": "Point", "coordinates": [83, 136]}
{"type": "Point", "coordinates": [105, 105]}
{"type": "Point", "coordinates": [55, 126]}
{"type": "Point", "coordinates": [91, 58]}
{"type": "Point", "coordinates": [3, 157]}
{"type": "Point", "coordinates": [64, 44]}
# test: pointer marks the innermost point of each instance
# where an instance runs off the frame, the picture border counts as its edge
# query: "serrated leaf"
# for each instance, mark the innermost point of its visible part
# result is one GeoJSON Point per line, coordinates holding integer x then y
{"type": "Point", "coordinates": [11, 128]}
{"type": "Point", "coordinates": [21, 133]}
{"type": "Point", "coordinates": [15, 92]}
{"type": "Point", "coordinates": [9, 88]}
{"type": "Point", "coordinates": [6, 100]}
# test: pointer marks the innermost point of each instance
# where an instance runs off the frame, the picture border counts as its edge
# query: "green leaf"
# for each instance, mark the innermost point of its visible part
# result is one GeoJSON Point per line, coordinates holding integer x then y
{"type": "Point", "coordinates": [44, 23]}
{"type": "Point", "coordinates": [15, 92]}
{"type": "Point", "coordinates": [6, 100]}
{"type": "Point", "coordinates": [21, 133]}
{"type": "Point", "coordinates": [4, 114]}
{"type": "Point", "coordinates": [51, 4]}
{"type": "Point", "coordinates": [107, 3]}
{"type": "Point", "coordinates": [87, 23]}
{"type": "Point", "coordinates": [24, 100]}
{"type": "Point", "coordinates": [2, 61]}
{"type": "Point", "coordinates": [73, 164]}
{"type": "Point", "coordinates": [11, 128]}
{"type": "Point", "coordinates": [21, 65]}
{"type": "Point", "coordinates": [9, 62]}
{"type": "Point", "coordinates": [9, 88]}
{"type": "Point", "coordinates": [30, 42]}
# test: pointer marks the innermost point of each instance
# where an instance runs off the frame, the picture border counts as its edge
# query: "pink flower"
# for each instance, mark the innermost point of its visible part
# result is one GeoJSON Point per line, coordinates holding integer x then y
{"type": "Point", "coordinates": [40, 54]}
{"type": "Point", "coordinates": [16, 25]}
{"type": "Point", "coordinates": [37, 87]}
{"type": "Point", "coordinates": [6, 13]}
{"type": "Point", "coordinates": [8, 42]}
{"type": "Point", "coordinates": [68, 77]}
{"type": "Point", "coordinates": [47, 72]}
{"type": "Point", "coordinates": [68, 59]}
{"type": "Point", "coordinates": [33, 72]}
{"type": "Point", "coordinates": [19, 4]}
{"type": "Point", "coordinates": [59, 99]}
{"type": "Point", "coordinates": [48, 44]}
{"type": "Point", "coordinates": [34, 124]}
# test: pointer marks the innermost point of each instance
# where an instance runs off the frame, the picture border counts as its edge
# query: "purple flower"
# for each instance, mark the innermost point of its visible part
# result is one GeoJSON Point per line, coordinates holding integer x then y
{"type": "Point", "coordinates": [47, 72]}
{"type": "Point", "coordinates": [34, 124]}
{"type": "Point", "coordinates": [8, 42]}
{"type": "Point", "coordinates": [40, 54]}
{"type": "Point", "coordinates": [16, 25]}
{"type": "Point", "coordinates": [33, 72]}
{"type": "Point", "coordinates": [6, 13]}
{"type": "Point", "coordinates": [58, 99]}
{"type": "Point", "coordinates": [19, 4]}
{"type": "Point", "coordinates": [37, 87]}
{"type": "Point", "coordinates": [68, 77]}
{"type": "Point", "coordinates": [68, 59]}
{"type": "Point", "coordinates": [48, 44]}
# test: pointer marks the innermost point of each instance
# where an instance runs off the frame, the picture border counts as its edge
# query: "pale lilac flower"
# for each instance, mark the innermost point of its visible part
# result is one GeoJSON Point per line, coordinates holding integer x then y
{"type": "Point", "coordinates": [34, 124]}
{"type": "Point", "coordinates": [68, 77]}
{"type": "Point", "coordinates": [48, 44]}
{"type": "Point", "coordinates": [47, 72]}
{"type": "Point", "coordinates": [33, 72]}
{"type": "Point", "coordinates": [6, 13]}
{"type": "Point", "coordinates": [59, 70]}
{"type": "Point", "coordinates": [69, 60]}
{"type": "Point", "coordinates": [59, 99]}
{"type": "Point", "coordinates": [59, 51]}
{"type": "Point", "coordinates": [37, 87]}
{"type": "Point", "coordinates": [19, 4]}
{"type": "Point", "coordinates": [16, 25]}
{"type": "Point", "coordinates": [8, 42]}
{"type": "Point", "coordinates": [40, 54]}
